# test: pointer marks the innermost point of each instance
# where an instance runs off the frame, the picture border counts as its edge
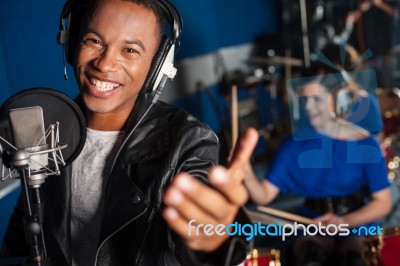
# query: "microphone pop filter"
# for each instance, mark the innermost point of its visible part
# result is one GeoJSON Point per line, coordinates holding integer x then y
{"type": "Point", "coordinates": [57, 107]}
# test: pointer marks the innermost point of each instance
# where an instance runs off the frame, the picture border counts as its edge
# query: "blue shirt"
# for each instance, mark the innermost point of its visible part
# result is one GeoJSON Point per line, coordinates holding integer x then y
{"type": "Point", "coordinates": [313, 165]}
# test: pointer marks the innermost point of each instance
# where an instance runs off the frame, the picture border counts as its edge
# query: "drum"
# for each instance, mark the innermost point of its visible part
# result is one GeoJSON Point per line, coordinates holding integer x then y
{"type": "Point", "coordinates": [263, 257]}
{"type": "Point", "coordinates": [383, 250]}
{"type": "Point", "coordinates": [390, 254]}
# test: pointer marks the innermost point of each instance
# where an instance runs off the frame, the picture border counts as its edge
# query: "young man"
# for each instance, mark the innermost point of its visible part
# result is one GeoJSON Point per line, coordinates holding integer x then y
{"type": "Point", "coordinates": [131, 193]}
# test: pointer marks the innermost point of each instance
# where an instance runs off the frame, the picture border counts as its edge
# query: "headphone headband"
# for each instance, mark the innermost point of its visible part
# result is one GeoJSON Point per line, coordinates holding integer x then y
{"type": "Point", "coordinates": [173, 17]}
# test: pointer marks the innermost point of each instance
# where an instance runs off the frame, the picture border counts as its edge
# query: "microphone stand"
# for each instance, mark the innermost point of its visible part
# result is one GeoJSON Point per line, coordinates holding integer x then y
{"type": "Point", "coordinates": [33, 220]}
{"type": "Point", "coordinates": [31, 190]}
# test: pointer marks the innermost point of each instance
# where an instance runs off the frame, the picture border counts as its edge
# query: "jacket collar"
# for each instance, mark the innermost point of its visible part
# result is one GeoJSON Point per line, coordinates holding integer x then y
{"type": "Point", "coordinates": [150, 138]}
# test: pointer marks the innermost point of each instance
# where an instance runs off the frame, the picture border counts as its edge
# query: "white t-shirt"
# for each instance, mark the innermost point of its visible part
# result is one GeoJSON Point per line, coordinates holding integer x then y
{"type": "Point", "coordinates": [89, 171]}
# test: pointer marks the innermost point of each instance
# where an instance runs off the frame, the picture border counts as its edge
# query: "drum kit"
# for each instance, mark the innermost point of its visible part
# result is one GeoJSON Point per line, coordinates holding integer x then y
{"type": "Point", "coordinates": [381, 250]}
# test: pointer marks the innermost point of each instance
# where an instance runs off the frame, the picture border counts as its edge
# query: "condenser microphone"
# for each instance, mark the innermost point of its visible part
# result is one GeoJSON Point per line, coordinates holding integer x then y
{"type": "Point", "coordinates": [30, 152]}
{"type": "Point", "coordinates": [28, 135]}
{"type": "Point", "coordinates": [41, 132]}
{"type": "Point", "coordinates": [32, 123]}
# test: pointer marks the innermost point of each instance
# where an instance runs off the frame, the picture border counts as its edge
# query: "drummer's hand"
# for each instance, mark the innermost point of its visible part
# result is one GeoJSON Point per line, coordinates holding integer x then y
{"type": "Point", "coordinates": [351, 18]}
{"type": "Point", "coordinates": [330, 218]}
{"type": "Point", "coordinates": [190, 202]}
{"type": "Point", "coordinates": [364, 6]}
{"type": "Point", "coordinates": [378, 2]}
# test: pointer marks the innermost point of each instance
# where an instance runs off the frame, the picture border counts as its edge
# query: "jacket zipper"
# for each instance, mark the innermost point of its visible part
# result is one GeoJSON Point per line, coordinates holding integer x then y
{"type": "Point", "coordinates": [116, 231]}
{"type": "Point", "coordinates": [131, 220]}
{"type": "Point", "coordinates": [112, 168]}
{"type": "Point", "coordinates": [153, 211]}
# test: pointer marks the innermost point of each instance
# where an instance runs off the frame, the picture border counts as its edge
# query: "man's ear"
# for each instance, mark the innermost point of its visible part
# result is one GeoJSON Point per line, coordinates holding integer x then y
{"type": "Point", "coordinates": [330, 102]}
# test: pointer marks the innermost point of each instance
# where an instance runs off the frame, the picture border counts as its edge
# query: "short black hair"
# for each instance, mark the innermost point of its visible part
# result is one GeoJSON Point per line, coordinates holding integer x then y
{"type": "Point", "coordinates": [91, 7]}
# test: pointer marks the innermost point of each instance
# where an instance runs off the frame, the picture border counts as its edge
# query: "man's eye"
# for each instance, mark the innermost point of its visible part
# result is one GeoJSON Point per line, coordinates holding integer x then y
{"type": "Point", "coordinates": [131, 51]}
{"type": "Point", "coordinates": [317, 99]}
{"type": "Point", "coordinates": [93, 43]}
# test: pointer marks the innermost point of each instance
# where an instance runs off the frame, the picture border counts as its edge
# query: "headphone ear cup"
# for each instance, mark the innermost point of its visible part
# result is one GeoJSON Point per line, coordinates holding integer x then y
{"type": "Point", "coordinates": [71, 18]}
{"type": "Point", "coordinates": [73, 35]}
{"type": "Point", "coordinates": [160, 58]}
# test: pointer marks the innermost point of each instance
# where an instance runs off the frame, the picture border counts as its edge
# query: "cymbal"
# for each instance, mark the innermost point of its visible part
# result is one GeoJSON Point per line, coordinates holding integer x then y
{"type": "Point", "coordinates": [275, 60]}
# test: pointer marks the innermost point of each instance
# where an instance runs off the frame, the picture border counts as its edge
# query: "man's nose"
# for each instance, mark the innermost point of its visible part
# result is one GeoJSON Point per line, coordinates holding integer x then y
{"type": "Point", "coordinates": [107, 61]}
{"type": "Point", "coordinates": [308, 104]}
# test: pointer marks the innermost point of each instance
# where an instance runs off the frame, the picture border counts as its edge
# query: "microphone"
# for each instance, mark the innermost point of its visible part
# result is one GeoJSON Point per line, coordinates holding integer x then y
{"type": "Point", "coordinates": [23, 135]}
{"type": "Point", "coordinates": [29, 158]}
{"type": "Point", "coordinates": [31, 150]}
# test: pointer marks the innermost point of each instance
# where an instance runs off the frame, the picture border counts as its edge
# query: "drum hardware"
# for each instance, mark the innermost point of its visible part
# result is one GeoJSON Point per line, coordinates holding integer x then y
{"type": "Point", "coordinates": [245, 79]}
{"type": "Point", "coordinates": [372, 253]}
{"type": "Point", "coordinates": [274, 60]}
{"type": "Point", "coordinates": [393, 166]}
{"type": "Point", "coordinates": [263, 257]}
{"type": "Point", "coordinates": [391, 113]}
{"type": "Point", "coordinates": [270, 131]}
{"type": "Point", "coordinates": [390, 147]}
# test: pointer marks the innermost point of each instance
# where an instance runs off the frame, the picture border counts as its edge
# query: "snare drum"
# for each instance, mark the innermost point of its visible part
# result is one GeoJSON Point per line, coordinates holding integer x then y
{"type": "Point", "coordinates": [263, 257]}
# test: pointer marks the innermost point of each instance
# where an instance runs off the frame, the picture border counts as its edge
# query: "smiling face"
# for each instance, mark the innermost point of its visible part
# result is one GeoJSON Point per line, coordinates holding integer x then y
{"type": "Point", "coordinates": [114, 57]}
{"type": "Point", "coordinates": [318, 105]}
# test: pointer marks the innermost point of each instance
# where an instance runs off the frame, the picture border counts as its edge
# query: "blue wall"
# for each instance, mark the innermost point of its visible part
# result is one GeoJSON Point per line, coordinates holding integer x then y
{"type": "Point", "coordinates": [211, 24]}
{"type": "Point", "coordinates": [4, 89]}
{"type": "Point", "coordinates": [30, 53]}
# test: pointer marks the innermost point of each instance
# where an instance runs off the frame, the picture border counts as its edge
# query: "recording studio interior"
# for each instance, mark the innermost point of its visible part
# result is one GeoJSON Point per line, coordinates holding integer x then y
{"type": "Point", "coordinates": [236, 65]}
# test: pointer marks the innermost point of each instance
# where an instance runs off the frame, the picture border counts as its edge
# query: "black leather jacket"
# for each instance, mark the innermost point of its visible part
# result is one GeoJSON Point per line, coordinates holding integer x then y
{"type": "Point", "coordinates": [133, 232]}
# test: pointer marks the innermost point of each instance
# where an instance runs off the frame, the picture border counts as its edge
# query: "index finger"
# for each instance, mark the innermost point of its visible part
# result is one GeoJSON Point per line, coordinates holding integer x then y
{"type": "Point", "coordinates": [229, 181]}
{"type": "Point", "coordinates": [244, 148]}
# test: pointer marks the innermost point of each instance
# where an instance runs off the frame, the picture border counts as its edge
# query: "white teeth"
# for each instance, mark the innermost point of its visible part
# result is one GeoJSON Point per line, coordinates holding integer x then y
{"type": "Point", "coordinates": [102, 85]}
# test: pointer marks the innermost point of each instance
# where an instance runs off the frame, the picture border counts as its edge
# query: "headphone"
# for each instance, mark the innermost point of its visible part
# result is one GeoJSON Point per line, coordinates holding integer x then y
{"type": "Point", "coordinates": [162, 66]}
